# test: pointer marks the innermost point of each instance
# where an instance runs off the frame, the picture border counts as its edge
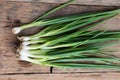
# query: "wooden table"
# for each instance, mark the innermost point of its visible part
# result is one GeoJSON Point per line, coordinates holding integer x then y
{"type": "Point", "coordinates": [16, 12]}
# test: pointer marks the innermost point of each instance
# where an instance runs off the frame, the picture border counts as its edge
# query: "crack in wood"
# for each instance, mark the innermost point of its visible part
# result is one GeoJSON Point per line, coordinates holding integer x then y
{"type": "Point", "coordinates": [61, 73]}
{"type": "Point", "coordinates": [51, 69]}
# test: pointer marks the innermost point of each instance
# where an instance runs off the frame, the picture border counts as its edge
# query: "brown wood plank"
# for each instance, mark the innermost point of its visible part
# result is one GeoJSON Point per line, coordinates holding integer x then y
{"type": "Point", "coordinates": [87, 76]}
{"type": "Point", "coordinates": [20, 13]}
{"type": "Point", "coordinates": [27, 12]}
{"type": "Point", "coordinates": [82, 2]}
{"type": "Point", "coordinates": [9, 59]}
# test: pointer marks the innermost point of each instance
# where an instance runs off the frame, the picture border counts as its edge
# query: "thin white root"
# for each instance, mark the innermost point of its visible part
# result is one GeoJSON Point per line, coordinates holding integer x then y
{"type": "Point", "coordinates": [16, 30]}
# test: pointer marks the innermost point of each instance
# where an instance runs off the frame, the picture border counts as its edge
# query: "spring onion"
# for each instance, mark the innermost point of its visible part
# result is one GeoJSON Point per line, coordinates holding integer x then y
{"type": "Point", "coordinates": [69, 42]}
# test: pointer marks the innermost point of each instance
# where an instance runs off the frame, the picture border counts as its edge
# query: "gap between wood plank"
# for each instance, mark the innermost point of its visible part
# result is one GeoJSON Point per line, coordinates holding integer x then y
{"type": "Point", "coordinates": [62, 73]}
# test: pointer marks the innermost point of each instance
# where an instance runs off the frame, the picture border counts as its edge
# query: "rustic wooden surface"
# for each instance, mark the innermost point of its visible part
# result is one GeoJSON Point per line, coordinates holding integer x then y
{"type": "Point", "coordinates": [9, 59]}
{"type": "Point", "coordinates": [17, 12]}
{"type": "Point", "coordinates": [82, 2]}
{"type": "Point", "coordinates": [86, 76]}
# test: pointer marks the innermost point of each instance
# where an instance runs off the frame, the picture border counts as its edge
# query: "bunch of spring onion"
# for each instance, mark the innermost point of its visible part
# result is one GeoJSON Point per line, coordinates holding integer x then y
{"type": "Point", "coordinates": [67, 42]}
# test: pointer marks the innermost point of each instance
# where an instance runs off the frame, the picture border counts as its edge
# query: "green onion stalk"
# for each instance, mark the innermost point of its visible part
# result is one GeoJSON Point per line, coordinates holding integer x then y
{"type": "Point", "coordinates": [69, 42]}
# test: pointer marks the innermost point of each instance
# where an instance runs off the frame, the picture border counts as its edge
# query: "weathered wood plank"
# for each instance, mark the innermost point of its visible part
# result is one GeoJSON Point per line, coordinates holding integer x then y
{"type": "Point", "coordinates": [14, 13]}
{"type": "Point", "coordinates": [98, 76]}
{"type": "Point", "coordinates": [27, 12]}
{"type": "Point", "coordinates": [82, 2]}
{"type": "Point", "coordinates": [9, 59]}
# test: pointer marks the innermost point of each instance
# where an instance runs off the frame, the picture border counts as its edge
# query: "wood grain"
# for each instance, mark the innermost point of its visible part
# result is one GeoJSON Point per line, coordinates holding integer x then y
{"type": "Point", "coordinates": [29, 11]}
{"type": "Point", "coordinates": [9, 59]}
{"type": "Point", "coordinates": [81, 2]}
{"type": "Point", "coordinates": [17, 13]}
{"type": "Point", "coordinates": [87, 76]}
